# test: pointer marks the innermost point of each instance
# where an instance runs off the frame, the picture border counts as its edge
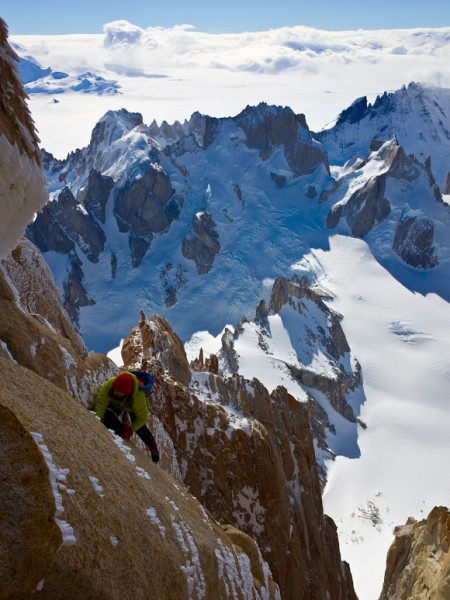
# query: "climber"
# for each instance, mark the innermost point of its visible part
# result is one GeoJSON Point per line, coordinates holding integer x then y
{"type": "Point", "coordinates": [125, 393]}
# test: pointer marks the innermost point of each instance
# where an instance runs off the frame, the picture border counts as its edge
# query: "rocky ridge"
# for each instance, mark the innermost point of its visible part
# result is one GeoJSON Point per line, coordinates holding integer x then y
{"type": "Point", "coordinates": [387, 199]}
{"type": "Point", "coordinates": [316, 363]}
{"type": "Point", "coordinates": [416, 114]}
{"type": "Point", "coordinates": [418, 561]}
{"type": "Point", "coordinates": [248, 456]}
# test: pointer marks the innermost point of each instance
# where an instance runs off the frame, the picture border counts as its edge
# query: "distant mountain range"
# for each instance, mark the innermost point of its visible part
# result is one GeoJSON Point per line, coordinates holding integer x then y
{"type": "Point", "coordinates": [197, 218]}
{"type": "Point", "coordinates": [39, 80]}
{"type": "Point", "coordinates": [196, 221]}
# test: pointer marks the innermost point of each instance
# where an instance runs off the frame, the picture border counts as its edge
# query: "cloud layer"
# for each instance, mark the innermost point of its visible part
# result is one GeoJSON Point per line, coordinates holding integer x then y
{"type": "Point", "coordinates": [168, 73]}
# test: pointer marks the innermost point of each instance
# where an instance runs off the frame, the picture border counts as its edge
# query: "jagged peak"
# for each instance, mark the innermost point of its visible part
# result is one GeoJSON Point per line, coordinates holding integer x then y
{"type": "Point", "coordinates": [115, 124]}
{"type": "Point", "coordinates": [355, 112]}
{"type": "Point", "coordinates": [253, 115]}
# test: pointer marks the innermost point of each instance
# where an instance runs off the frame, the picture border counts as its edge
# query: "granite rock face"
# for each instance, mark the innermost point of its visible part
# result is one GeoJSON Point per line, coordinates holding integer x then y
{"type": "Point", "coordinates": [414, 240]}
{"type": "Point", "coordinates": [366, 208]}
{"type": "Point", "coordinates": [418, 561]}
{"type": "Point", "coordinates": [202, 244]}
{"type": "Point", "coordinates": [108, 511]}
{"type": "Point", "coordinates": [35, 329]}
{"type": "Point", "coordinates": [267, 127]}
{"type": "Point", "coordinates": [63, 224]}
{"type": "Point", "coordinates": [144, 206]}
{"type": "Point", "coordinates": [30, 537]}
{"type": "Point", "coordinates": [155, 339]}
{"type": "Point", "coordinates": [94, 195]}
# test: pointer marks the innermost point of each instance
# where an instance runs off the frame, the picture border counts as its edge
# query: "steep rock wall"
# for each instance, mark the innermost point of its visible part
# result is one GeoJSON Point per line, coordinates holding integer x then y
{"type": "Point", "coordinates": [117, 526]}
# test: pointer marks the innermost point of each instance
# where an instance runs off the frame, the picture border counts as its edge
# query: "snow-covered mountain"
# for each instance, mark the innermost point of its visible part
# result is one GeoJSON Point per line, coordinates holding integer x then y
{"type": "Point", "coordinates": [45, 80]}
{"type": "Point", "coordinates": [234, 203]}
{"type": "Point", "coordinates": [417, 115]}
{"type": "Point", "coordinates": [197, 221]}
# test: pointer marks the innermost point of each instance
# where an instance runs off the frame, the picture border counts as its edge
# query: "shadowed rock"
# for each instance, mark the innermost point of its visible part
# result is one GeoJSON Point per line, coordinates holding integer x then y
{"type": "Point", "coordinates": [95, 194]}
{"type": "Point", "coordinates": [202, 244]}
{"type": "Point", "coordinates": [267, 127]}
{"type": "Point", "coordinates": [367, 207]}
{"type": "Point", "coordinates": [414, 240]}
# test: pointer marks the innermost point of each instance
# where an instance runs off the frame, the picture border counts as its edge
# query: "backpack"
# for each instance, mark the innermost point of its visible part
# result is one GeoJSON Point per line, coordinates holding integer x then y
{"type": "Point", "coordinates": [145, 380]}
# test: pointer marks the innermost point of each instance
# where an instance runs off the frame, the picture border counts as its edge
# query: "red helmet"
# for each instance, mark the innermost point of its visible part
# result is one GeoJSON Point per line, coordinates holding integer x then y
{"type": "Point", "coordinates": [124, 383]}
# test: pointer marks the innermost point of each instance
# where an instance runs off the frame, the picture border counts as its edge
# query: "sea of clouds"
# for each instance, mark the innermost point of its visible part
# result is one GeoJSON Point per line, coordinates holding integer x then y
{"type": "Point", "coordinates": [169, 73]}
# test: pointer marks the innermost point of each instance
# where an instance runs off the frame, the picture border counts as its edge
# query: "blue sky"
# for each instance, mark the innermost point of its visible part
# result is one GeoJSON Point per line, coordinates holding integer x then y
{"type": "Point", "coordinates": [54, 16]}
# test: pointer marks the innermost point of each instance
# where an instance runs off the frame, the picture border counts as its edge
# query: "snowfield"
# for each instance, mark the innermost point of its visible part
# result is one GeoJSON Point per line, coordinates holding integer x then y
{"type": "Point", "coordinates": [397, 467]}
{"type": "Point", "coordinates": [401, 341]}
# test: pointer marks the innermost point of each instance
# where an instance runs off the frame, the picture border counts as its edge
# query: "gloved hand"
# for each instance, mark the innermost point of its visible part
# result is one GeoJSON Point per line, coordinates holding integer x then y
{"type": "Point", "coordinates": [127, 433]}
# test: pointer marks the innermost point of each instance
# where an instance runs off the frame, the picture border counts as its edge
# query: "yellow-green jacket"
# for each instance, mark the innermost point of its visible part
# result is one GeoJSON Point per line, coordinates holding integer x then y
{"type": "Point", "coordinates": [137, 406]}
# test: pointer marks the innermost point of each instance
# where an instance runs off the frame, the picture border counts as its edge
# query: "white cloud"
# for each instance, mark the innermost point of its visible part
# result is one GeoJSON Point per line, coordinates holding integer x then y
{"type": "Point", "coordinates": [168, 73]}
{"type": "Point", "coordinates": [121, 35]}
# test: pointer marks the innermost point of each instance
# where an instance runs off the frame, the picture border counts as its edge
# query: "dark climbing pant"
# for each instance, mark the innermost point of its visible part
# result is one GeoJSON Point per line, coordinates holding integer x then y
{"type": "Point", "coordinates": [111, 420]}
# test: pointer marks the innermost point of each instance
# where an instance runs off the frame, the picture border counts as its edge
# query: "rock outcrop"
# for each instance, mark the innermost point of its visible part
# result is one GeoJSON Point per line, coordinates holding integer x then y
{"type": "Point", "coordinates": [202, 364]}
{"type": "Point", "coordinates": [268, 127]}
{"type": "Point", "coordinates": [155, 339]}
{"type": "Point", "coordinates": [418, 561]}
{"type": "Point", "coordinates": [36, 332]}
{"type": "Point", "coordinates": [248, 456]}
{"type": "Point", "coordinates": [414, 240]}
{"type": "Point", "coordinates": [322, 332]}
{"type": "Point", "coordinates": [202, 244]}
{"type": "Point", "coordinates": [144, 205]}
{"type": "Point", "coordinates": [22, 182]}
{"type": "Point", "coordinates": [365, 209]}
{"type": "Point", "coordinates": [370, 205]}
{"type": "Point", "coordinates": [63, 225]}
{"type": "Point", "coordinates": [95, 194]}
{"type": "Point", "coordinates": [446, 189]}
